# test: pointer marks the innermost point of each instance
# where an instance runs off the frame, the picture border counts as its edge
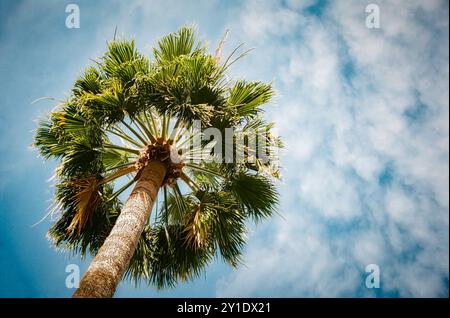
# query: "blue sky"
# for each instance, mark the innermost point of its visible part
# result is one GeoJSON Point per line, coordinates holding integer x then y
{"type": "Point", "coordinates": [363, 112]}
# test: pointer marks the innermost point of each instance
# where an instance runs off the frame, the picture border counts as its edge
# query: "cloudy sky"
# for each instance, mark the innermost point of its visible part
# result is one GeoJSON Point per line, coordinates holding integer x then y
{"type": "Point", "coordinates": [363, 112]}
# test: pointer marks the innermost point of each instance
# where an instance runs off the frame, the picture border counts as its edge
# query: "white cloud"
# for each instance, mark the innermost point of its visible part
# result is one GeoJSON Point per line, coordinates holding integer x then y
{"type": "Point", "coordinates": [341, 134]}
{"type": "Point", "coordinates": [326, 188]}
{"type": "Point", "coordinates": [262, 19]}
{"type": "Point", "coordinates": [399, 206]}
{"type": "Point", "coordinates": [302, 264]}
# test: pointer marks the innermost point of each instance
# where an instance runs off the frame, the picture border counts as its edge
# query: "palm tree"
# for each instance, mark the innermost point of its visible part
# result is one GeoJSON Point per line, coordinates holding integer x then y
{"type": "Point", "coordinates": [129, 121]}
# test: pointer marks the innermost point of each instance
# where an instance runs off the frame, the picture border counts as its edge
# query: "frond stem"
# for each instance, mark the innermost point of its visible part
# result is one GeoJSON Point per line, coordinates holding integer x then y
{"type": "Point", "coordinates": [134, 151]}
{"type": "Point", "coordinates": [134, 132]}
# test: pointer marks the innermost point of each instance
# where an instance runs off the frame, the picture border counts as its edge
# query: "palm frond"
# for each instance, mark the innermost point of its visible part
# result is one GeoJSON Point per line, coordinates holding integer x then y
{"type": "Point", "coordinates": [162, 257]}
{"type": "Point", "coordinates": [255, 193]}
{"type": "Point", "coordinates": [248, 96]}
{"type": "Point", "coordinates": [222, 221]}
{"type": "Point", "coordinates": [94, 232]}
{"type": "Point", "coordinates": [90, 82]}
{"type": "Point", "coordinates": [177, 44]}
{"type": "Point", "coordinates": [86, 199]}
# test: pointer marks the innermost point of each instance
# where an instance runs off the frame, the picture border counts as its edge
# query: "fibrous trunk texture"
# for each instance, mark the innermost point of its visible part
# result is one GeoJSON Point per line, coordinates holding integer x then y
{"type": "Point", "coordinates": [112, 260]}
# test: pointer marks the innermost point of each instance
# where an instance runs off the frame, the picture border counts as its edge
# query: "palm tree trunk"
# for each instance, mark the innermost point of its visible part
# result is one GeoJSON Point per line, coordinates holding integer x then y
{"type": "Point", "coordinates": [108, 266]}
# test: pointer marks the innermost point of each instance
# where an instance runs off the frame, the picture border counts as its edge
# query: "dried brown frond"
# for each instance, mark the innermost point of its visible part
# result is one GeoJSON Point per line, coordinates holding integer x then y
{"type": "Point", "coordinates": [218, 53]}
{"type": "Point", "coordinates": [86, 200]}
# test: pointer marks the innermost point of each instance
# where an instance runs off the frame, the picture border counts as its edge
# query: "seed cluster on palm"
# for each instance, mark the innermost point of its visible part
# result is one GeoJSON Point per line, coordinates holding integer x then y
{"type": "Point", "coordinates": [129, 111]}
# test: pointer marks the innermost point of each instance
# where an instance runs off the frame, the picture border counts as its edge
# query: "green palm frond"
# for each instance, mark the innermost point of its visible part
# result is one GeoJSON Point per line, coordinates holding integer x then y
{"type": "Point", "coordinates": [89, 82]}
{"type": "Point", "coordinates": [182, 42]}
{"type": "Point", "coordinates": [163, 258]}
{"type": "Point", "coordinates": [118, 59]}
{"type": "Point", "coordinates": [188, 87]}
{"type": "Point", "coordinates": [207, 175]}
{"type": "Point", "coordinates": [255, 193]}
{"type": "Point", "coordinates": [173, 211]}
{"type": "Point", "coordinates": [218, 221]}
{"type": "Point", "coordinates": [47, 140]}
{"type": "Point", "coordinates": [248, 96]}
{"type": "Point", "coordinates": [261, 147]}
{"type": "Point", "coordinates": [116, 158]}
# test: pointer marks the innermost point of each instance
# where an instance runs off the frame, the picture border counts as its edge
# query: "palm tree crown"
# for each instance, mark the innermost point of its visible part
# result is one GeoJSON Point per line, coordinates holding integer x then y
{"type": "Point", "coordinates": [128, 110]}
